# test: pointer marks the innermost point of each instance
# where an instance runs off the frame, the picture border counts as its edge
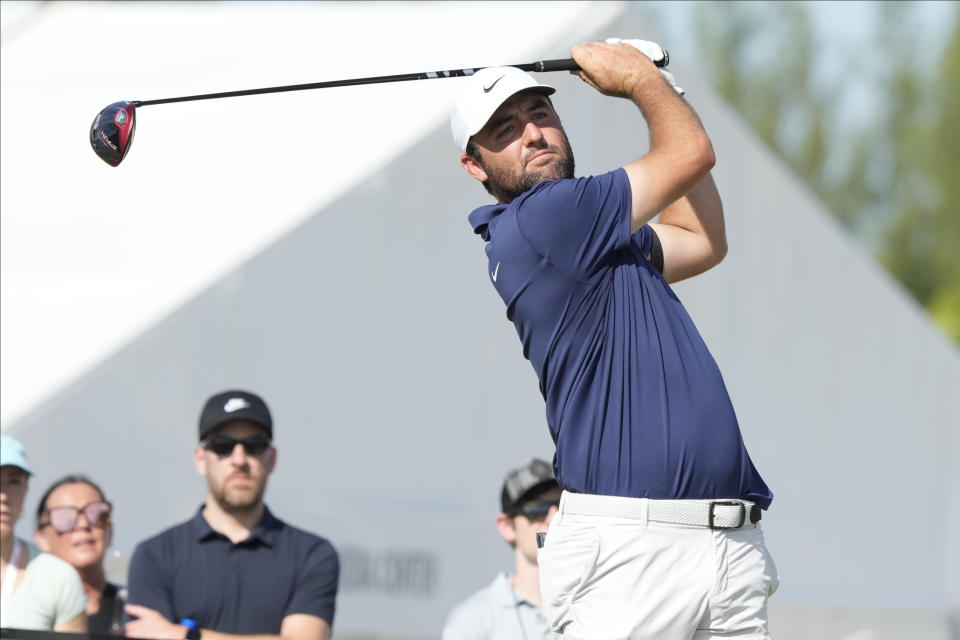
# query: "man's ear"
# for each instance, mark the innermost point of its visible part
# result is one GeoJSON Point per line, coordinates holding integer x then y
{"type": "Point", "coordinates": [505, 526]}
{"type": "Point", "coordinates": [472, 166]}
{"type": "Point", "coordinates": [271, 460]}
{"type": "Point", "coordinates": [199, 460]}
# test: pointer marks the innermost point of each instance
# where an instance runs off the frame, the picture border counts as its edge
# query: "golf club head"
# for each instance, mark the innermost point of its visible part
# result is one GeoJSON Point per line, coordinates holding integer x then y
{"type": "Point", "coordinates": [111, 133]}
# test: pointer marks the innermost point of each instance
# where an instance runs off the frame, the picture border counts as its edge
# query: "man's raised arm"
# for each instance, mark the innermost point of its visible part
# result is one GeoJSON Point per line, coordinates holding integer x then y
{"type": "Point", "coordinates": [692, 233]}
{"type": "Point", "coordinates": [680, 154]}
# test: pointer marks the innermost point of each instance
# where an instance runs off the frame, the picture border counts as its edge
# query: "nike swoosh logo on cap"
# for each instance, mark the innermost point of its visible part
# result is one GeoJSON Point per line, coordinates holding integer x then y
{"type": "Point", "coordinates": [488, 89]}
{"type": "Point", "coordinates": [235, 404]}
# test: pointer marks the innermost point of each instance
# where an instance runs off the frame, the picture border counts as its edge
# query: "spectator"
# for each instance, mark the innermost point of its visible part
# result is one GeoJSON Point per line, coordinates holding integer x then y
{"type": "Point", "coordinates": [37, 590]}
{"type": "Point", "coordinates": [234, 568]}
{"type": "Point", "coordinates": [510, 607]}
{"type": "Point", "coordinates": [74, 524]}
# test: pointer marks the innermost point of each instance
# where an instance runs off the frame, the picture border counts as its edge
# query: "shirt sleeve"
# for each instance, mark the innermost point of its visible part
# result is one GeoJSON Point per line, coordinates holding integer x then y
{"type": "Point", "coordinates": [577, 224]}
{"type": "Point", "coordinates": [66, 589]}
{"type": "Point", "coordinates": [316, 589]}
{"type": "Point", "coordinates": [648, 243]}
{"type": "Point", "coordinates": [146, 583]}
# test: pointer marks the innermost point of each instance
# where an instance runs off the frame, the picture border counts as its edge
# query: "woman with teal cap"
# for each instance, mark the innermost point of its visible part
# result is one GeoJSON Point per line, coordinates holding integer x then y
{"type": "Point", "coordinates": [37, 590]}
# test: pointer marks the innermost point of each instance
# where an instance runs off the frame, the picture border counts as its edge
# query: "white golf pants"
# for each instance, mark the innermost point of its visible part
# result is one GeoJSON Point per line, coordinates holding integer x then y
{"type": "Point", "coordinates": [606, 577]}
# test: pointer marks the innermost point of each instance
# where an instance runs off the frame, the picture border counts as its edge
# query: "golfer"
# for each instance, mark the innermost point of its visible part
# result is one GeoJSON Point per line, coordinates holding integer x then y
{"type": "Point", "coordinates": [657, 534]}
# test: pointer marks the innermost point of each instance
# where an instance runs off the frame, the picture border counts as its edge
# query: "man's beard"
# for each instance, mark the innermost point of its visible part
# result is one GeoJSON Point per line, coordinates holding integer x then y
{"type": "Point", "coordinates": [506, 185]}
{"type": "Point", "coordinates": [233, 501]}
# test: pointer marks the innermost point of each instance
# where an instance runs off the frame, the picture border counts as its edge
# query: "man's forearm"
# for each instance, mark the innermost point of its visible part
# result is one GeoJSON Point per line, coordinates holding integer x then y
{"type": "Point", "coordinates": [692, 234]}
{"type": "Point", "coordinates": [207, 634]}
{"type": "Point", "coordinates": [700, 212]}
{"type": "Point", "coordinates": [680, 156]}
{"type": "Point", "coordinates": [677, 137]}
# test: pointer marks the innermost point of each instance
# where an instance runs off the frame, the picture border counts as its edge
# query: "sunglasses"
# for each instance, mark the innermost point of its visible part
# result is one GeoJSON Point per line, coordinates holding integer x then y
{"type": "Point", "coordinates": [64, 519]}
{"type": "Point", "coordinates": [537, 510]}
{"type": "Point", "coordinates": [224, 445]}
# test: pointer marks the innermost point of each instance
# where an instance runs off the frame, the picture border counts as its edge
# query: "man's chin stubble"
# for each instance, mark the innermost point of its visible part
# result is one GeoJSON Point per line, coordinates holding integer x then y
{"type": "Point", "coordinates": [559, 169]}
{"type": "Point", "coordinates": [239, 502]}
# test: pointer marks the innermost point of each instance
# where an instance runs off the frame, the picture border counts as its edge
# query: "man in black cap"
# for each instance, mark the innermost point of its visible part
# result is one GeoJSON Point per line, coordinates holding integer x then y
{"type": "Point", "coordinates": [510, 607]}
{"type": "Point", "coordinates": [234, 568]}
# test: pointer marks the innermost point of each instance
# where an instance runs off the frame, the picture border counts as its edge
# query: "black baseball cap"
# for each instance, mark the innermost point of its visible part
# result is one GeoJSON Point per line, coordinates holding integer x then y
{"type": "Point", "coordinates": [522, 483]}
{"type": "Point", "coordinates": [228, 406]}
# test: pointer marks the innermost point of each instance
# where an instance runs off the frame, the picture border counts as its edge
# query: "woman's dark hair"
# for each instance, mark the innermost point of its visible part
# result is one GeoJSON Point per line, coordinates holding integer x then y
{"type": "Point", "coordinates": [74, 478]}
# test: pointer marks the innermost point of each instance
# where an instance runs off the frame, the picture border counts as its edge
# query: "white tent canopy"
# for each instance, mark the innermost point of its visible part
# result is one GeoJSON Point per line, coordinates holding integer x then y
{"type": "Point", "coordinates": [93, 256]}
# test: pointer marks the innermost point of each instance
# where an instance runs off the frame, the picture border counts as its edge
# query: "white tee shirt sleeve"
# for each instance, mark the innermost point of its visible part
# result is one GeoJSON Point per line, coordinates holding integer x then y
{"type": "Point", "coordinates": [51, 593]}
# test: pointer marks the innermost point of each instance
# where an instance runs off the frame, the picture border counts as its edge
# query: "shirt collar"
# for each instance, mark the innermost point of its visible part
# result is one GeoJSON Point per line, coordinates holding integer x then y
{"type": "Point", "coordinates": [268, 529]}
{"type": "Point", "coordinates": [504, 594]}
{"type": "Point", "coordinates": [481, 217]}
{"type": "Point", "coordinates": [266, 532]}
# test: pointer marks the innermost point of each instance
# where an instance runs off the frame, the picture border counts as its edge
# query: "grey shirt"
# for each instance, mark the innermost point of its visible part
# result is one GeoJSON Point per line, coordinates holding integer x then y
{"type": "Point", "coordinates": [497, 612]}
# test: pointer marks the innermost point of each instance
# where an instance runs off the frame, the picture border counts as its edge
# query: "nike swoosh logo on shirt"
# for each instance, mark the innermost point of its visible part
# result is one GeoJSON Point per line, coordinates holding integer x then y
{"type": "Point", "coordinates": [489, 88]}
{"type": "Point", "coordinates": [494, 273]}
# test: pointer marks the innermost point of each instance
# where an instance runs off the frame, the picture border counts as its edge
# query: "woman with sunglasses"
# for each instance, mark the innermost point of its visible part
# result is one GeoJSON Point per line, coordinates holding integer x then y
{"type": "Point", "coordinates": [37, 590]}
{"type": "Point", "coordinates": [74, 524]}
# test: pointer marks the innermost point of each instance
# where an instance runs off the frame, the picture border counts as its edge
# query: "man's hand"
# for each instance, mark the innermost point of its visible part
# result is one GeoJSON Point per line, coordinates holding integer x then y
{"type": "Point", "coordinates": [655, 52]}
{"type": "Point", "coordinates": [619, 67]}
{"type": "Point", "coordinates": [150, 624]}
{"type": "Point", "coordinates": [652, 50]}
{"type": "Point", "coordinates": [614, 69]}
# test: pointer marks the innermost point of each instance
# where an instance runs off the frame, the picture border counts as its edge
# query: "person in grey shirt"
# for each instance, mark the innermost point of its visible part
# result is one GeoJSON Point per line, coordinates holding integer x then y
{"type": "Point", "coordinates": [509, 608]}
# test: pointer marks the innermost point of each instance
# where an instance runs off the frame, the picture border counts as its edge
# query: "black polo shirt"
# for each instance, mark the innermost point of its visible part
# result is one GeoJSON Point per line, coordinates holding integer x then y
{"type": "Point", "coordinates": [191, 571]}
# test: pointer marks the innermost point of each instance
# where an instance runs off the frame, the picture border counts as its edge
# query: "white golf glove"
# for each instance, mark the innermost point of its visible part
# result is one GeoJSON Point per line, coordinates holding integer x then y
{"type": "Point", "coordinates": [653, 51]}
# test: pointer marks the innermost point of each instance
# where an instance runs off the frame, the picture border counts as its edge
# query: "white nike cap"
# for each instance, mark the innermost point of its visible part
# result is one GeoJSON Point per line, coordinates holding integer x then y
{"type": "Point", "coordinates": [482, 94]}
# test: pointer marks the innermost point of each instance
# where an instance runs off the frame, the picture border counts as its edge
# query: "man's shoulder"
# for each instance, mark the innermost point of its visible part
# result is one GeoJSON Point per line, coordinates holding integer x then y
{"type": "Point", "coordinates": [301, 538]}
{"type": "Point", "coordinates": [566, 187]}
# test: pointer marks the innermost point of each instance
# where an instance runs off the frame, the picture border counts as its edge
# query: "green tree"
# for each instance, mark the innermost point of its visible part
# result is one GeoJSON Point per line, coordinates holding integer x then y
{"type": "Point", "coordinates": [760, 56]}
{"type": "Point", "coordinates": [922, 244]}
{"type": "Point", "coordinates": [893, 179]}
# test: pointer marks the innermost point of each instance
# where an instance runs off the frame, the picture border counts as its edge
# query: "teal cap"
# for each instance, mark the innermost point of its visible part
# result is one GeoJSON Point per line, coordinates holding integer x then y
{"type": "Point", "coordinates": [12, 453]}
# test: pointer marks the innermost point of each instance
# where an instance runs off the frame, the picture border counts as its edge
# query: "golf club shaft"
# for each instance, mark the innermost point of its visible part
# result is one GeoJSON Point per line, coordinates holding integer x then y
{"type": "Point", "coordinates": [541, 66]}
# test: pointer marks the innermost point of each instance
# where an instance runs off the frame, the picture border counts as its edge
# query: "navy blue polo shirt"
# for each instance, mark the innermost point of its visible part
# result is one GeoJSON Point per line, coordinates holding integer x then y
{"type": "Point", "coordinates": [635, 403]}
{"type": "Point", "coordinates": [191, 571]}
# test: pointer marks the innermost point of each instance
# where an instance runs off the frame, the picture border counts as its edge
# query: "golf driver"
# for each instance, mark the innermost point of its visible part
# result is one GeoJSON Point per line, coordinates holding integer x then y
{"type": "Point", "coordinates": [111, 133]}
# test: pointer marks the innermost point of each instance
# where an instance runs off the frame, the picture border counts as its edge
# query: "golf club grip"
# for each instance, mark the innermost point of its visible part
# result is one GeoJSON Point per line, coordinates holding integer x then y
{"type": "Point", "coordinates": [569, 64]}
{"type": "Point", "coordinates": [565, 64]}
